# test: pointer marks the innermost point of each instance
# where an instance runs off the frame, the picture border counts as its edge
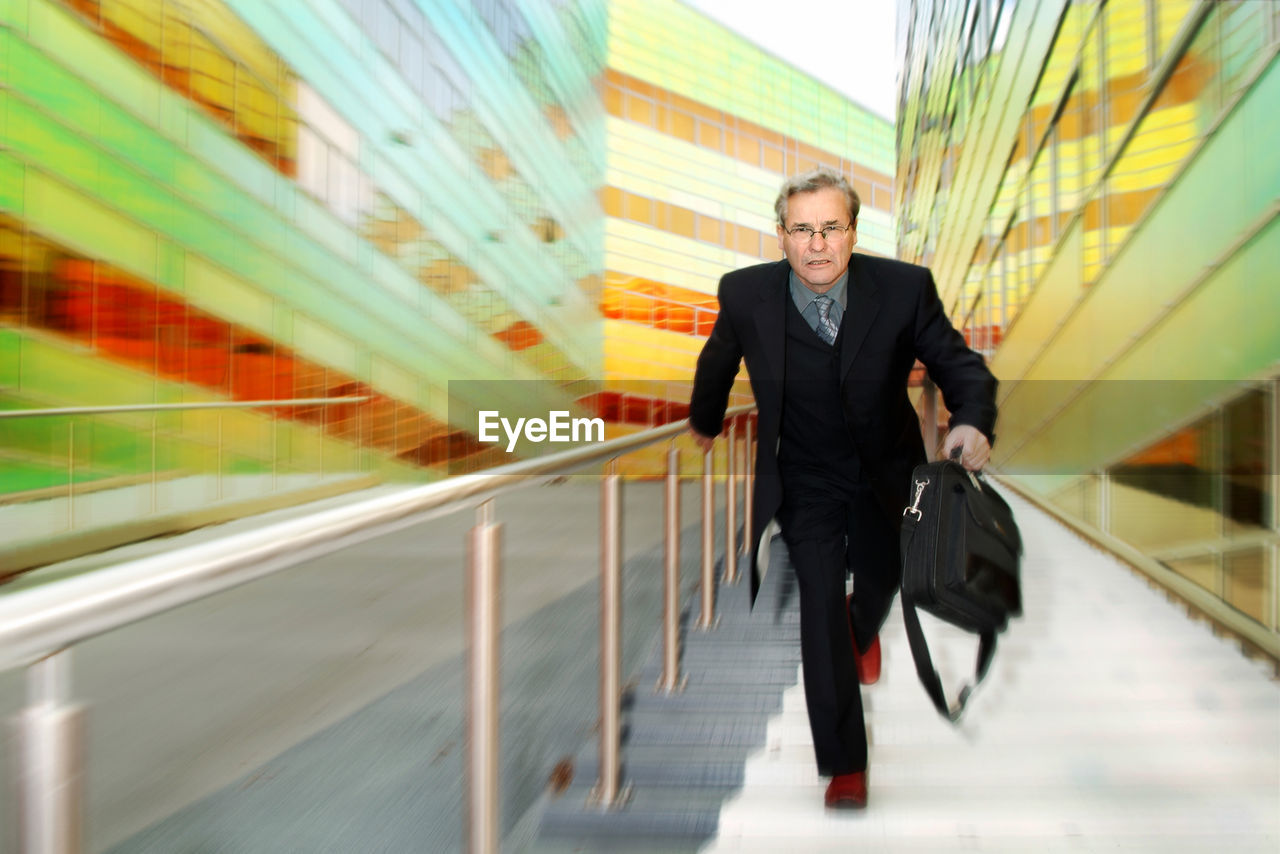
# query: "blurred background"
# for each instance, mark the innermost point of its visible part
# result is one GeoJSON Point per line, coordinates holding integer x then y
{"type": "Point", "coordinates": [258, 253]}
{"type": "Point", "coordinates": [235, 202]}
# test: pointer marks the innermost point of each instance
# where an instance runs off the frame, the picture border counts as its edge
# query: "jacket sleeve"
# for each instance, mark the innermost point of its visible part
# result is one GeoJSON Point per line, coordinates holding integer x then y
{"type": "Point", "coordinates": [717, 366]}
{"type": "Point", "coordinates": [968, 387]}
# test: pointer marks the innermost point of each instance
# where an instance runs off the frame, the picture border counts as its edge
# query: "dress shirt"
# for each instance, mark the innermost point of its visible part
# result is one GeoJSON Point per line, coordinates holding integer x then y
{"type": "Point", "coordinates": [804, 300]}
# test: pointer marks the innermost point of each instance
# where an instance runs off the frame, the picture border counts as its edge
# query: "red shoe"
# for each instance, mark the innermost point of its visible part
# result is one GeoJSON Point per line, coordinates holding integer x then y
{"type": "Point", "coordinates": [847, 792]}
{"type": "Point", "coordinates": [866, 663]}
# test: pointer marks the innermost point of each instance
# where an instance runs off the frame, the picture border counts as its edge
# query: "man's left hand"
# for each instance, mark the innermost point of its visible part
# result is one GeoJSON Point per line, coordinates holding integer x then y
{"type": "Point", "coordinates": [975, 450]}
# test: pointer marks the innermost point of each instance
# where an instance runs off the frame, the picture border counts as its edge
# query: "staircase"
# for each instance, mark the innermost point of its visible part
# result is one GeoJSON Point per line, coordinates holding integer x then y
{"type": "Point", "coordinates": [684, 754]}
{"type": "Point", "coordinates": [1110, 721]}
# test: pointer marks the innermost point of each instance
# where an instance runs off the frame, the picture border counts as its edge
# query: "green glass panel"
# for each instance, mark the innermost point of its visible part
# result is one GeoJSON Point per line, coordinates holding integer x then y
{"type": "Point", "coordinates": [10, 350]}
{"type": "Point", "coordinates": [1260, 121]}
{"type": "Point", "coordinates": [48, 84]}
{"type": "Point", "coordinates": [170, 266]}
{"type": "Point", "coordinates": [37, 138]}
{"type": "Point", "coordinates": [13, 13]}
{"type": "Point", "coordinates": [69, 217]}
{"type": "Point", "coordinates": [134, 142]}
{"type": "Point", "coordinates": [10, 177]}
{"type": "Point", "coordinates": [24, 475]}
{"type": "Point", "coordinates": [59, 33]}
{"type": "Point", "coordinates": [52, 373]}
{"type": "Point", "coordinates": [211, 143]}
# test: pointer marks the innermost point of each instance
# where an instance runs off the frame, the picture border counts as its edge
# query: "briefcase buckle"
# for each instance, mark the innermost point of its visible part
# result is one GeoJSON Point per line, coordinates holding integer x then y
{"type": "Point", "coordinates": [915, 504]}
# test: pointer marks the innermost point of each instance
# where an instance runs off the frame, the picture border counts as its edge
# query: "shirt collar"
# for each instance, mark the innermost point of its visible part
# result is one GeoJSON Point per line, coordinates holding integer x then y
{"type": "Point", "coordinates": [803, 296]}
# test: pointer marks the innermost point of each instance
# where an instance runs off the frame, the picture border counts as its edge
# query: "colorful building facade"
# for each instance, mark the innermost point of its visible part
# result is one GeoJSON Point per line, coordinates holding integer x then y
{"type": "Point", "coordinates": [702, 128]}
{"type": "Point", "coordinates": [238, 201]}
{"type": "Point", "coordinates": [425, 208]}
{"type": "Point", "coordinates": [1096, 189]}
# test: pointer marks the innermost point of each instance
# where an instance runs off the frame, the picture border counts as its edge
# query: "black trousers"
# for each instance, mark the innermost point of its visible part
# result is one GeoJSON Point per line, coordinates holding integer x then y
{"type": "Point", "coordinates": [832, 527]}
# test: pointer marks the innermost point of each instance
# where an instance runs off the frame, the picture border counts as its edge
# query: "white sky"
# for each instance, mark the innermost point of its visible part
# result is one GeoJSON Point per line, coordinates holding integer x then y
{"type": "Point", "coordinates": [847, 44]}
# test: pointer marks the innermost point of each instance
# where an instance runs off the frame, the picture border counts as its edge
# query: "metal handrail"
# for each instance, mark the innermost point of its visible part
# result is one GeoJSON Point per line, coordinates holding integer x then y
{"type": "Point", "coordinates": [164, 407]}
{"type": "Point", "coordinates": [39, 625]}
{"type": "Point", "coordinates": [43, 619]}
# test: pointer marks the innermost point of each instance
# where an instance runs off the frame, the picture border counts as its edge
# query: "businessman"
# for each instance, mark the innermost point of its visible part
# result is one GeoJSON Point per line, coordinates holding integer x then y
{"type": "Point", "coordinates": [829, 338]}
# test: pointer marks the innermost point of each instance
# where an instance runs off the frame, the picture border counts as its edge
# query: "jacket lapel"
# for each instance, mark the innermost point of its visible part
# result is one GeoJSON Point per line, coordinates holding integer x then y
{"type": "Point", "coordinates": [863, 305]}
{"type": "Point", "coordinates": [770, 319]}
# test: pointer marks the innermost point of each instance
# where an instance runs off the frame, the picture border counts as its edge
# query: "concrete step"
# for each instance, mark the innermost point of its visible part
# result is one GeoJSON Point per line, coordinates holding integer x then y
{"type": "Point", "coordinates": [914, 764]}
{"type": "Point", "coordinates": [920, 813]}
{"type": "Point", "coordinates": [652, 812]}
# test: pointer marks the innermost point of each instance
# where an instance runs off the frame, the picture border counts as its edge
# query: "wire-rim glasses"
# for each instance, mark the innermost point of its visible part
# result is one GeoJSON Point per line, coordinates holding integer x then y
{"type": "Point", "coordinates": [805, 233]}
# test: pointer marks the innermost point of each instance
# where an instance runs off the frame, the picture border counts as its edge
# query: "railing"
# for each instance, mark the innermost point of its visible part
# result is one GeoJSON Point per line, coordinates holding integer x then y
{"type": "Point", "coordinates": [127, 470]}
{"type": "Point", "coordinates": [177, 407]}
{"type": "Point", "coordinates": [39, 626]}
{"type": "Point", "coordinates": [1157, 563]}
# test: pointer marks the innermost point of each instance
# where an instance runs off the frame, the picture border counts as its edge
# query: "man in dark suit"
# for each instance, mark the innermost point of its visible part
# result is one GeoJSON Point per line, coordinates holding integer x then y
{"type": "Point", "coordinates": [829, 339]}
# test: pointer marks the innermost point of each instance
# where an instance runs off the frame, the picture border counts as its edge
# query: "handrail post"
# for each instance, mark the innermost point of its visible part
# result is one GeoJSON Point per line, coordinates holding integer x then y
{"type": "Point", "coordinates": [731, 507]}
{"type": "Point", "coordinates": [707, 619]}
{"type": "Point", "coordinates": [50, 761]}
{"type": "Point", "coordinates": [748, 491]}
{"type": "Point", "coordinates": [929, 417]}
{"type": "Point", "coordinates": [484, 566]}
{"type": "Point", "coordinates": [606, 792]}
{"type": "Point", "coordinates": [670, 680]}
{"type": "Point", "coordinates": [275, 449]}
{"type": "Point", "coordinates": [71, 474]}
{"type": "Point", "coordinates": [218, 473]}
{"type": "Point", "coordinates": [155, 505]}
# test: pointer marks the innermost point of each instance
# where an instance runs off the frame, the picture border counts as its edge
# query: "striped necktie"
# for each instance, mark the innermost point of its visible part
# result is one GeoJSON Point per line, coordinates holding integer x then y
{"type": "Point", "coordinates": [827, 327]}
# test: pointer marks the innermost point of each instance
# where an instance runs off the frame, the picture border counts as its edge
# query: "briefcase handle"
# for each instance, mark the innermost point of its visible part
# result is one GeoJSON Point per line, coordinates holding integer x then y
{"type": "Point", "coordinates": [956, 452]}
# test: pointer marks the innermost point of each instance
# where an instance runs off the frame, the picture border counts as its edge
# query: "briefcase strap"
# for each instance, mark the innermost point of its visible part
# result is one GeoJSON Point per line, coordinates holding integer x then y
{"type": "Point", "coordinates": [929, 676]}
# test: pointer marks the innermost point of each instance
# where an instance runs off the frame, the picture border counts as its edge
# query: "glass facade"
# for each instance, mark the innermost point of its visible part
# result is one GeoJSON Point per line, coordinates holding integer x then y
{"type": "Point", "coordinates": [1095, 188]}
{"type": "Point", "coordinates": [237, 201]}
{"type": "Point", "coordinates": [438, 206]}
{"type": "Point", "coordinates": [702, 128]}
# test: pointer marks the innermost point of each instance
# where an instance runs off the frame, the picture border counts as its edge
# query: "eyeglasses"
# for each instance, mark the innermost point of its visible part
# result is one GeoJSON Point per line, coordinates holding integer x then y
{"type": "Point", "coordinates": [804, 233]}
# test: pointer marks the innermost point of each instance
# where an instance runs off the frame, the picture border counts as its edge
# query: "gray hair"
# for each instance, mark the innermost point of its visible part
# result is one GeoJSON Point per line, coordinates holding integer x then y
{"type": "Point", "coordinates": [811, 182]}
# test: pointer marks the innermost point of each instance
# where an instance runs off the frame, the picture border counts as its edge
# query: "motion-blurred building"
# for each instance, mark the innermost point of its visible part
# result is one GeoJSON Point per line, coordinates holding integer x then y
{"type": "Point", "coordinates": [438, 206]}
{"type": "Point", "coordinates": [1095, 186]}
{"type": "Point", "coordinates": [702, 128]}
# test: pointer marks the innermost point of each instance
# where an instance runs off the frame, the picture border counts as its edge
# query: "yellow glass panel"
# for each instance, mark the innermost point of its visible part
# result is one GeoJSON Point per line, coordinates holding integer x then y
{"type": "Point", "coordinates": [134, 25]}
{"type": "Point", "coordinates": [709, 136]}
{"type": "Point", "coordinates": [1170, 16]}
{"type": "Point", "coordinates": [212, 77]}
{"type": "Point", "coordinates": [226, 27]}
{"type": "Point", "coordinates": [708, 229]}
{"type": "Point", "coordinates": [637, 208]}
{"type": "Point", "coordinates": [611, 200]}
{"type": "Point", "coordinates": [681, 221]}
{"type": "Point", "coordinates": [255, 113]}
{"type": "Point", "coordinates": [1245, 576]}
{"type": "Point", "coordinates": [1201, 570]}
{"type": "Point", "coordinates": [682, 125]}
{"type": "Point", "coordinates": [773, 160]}
{"type": "Point", "coordinates": [638, 110]}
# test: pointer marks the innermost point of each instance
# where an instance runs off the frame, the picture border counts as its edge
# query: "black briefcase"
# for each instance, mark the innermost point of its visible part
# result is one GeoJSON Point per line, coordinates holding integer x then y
{"type": "Point", "coordinates": [960, 555]}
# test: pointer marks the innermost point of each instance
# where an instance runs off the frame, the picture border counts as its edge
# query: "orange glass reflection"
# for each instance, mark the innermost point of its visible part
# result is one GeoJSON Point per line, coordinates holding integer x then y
{"type": "Point", "coordinates": [130, 320]}
{"type": "Point", "coordinates": [658, 305]}
{"type": "Point", "coordinates": [182, 45]}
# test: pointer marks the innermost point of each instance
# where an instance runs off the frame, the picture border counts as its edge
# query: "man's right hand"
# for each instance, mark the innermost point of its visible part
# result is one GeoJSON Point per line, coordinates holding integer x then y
{"type": "Point", "coordinates": [703, 442]}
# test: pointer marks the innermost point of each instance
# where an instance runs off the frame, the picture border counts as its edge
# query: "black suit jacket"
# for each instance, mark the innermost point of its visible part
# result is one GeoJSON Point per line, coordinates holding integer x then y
{"type": "Point", "coordinates": [893, 317]}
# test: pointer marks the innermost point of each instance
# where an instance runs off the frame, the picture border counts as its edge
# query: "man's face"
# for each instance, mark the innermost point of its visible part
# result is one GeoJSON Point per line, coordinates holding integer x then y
{"type": "Point", "coordinates": [819, 261]}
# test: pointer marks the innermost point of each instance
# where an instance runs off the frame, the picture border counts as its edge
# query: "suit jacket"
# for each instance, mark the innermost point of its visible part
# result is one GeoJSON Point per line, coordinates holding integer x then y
{"type": "Point", "coordinates": [892, 318]}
